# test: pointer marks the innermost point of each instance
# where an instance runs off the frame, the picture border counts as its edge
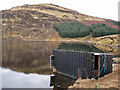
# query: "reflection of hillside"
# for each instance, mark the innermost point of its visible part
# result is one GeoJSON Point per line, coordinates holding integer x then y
{"type": "Point", "coordinates": [28, 57]}
{"type": "Point", "coordinates": [79, 47]}
{"type": "Point", "coordinates": [33, 57]}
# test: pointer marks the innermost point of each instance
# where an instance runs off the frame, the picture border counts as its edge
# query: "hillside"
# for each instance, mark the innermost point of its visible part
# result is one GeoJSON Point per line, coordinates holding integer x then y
{"type": "Point", "coordinates": [109, 44]}
{"type": "Point", "coordinates": [35, 22]}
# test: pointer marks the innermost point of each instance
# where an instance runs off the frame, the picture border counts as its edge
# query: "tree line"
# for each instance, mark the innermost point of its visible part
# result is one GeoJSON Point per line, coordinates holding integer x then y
{"type": "Point", "coordinates": [77, 29]}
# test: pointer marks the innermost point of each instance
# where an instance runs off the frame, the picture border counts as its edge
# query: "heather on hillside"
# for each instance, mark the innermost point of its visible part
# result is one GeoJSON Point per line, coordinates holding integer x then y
{"type": "Point", "coordinates": [76, 29]}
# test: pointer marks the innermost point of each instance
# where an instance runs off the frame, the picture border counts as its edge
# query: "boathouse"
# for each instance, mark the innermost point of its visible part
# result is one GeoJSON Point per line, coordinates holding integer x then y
{"type": "Point", "coordinates": [76, 64]}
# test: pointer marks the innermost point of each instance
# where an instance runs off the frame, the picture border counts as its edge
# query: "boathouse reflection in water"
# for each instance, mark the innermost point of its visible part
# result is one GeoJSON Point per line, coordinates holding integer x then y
{"type": "Point", "coordinates": [61, 81]}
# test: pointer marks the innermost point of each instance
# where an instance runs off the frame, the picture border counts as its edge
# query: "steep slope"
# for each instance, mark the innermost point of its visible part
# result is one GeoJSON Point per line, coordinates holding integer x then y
{"type": "Point", "coordinates": [35, 22]}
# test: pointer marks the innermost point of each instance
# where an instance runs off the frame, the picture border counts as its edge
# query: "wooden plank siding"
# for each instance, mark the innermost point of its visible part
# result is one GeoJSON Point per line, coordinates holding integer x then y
{"type": "Point", "coordinates": [78, 64]}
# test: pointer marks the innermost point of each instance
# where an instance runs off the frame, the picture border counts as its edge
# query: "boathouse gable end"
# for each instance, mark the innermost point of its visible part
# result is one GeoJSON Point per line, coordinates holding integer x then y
{"type": "Point", "coordinates": [79, 64]}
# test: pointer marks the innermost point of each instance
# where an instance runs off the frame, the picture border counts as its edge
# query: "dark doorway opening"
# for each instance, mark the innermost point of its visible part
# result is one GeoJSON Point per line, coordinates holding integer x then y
{"type": "Point", "coordinates": [96, 62]}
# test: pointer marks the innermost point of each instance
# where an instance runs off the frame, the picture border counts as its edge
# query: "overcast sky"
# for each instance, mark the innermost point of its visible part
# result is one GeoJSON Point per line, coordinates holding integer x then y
{"type": "Point", "coordinates": [100, 8]}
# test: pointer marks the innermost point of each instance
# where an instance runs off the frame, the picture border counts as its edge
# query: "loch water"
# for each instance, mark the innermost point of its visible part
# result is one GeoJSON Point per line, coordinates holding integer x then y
{"type": "Point", "coordinates": [26, 64]}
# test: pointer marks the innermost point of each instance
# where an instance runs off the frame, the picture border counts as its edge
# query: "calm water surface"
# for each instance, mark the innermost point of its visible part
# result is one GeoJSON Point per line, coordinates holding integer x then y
{"type": "Point", "coordinates": [13, 79]}
{"type": "Point", "coordinates": [27, 64]}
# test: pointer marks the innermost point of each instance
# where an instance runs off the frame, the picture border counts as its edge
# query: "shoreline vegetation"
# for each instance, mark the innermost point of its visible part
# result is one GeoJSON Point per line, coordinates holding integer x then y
{"type": "Point", "coordinates": [110, 40]}
{"type": "Point", "coordinates": [110, 44]}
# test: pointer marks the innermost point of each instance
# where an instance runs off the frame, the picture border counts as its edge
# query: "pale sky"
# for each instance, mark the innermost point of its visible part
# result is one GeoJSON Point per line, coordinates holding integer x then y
{"type": "Point", "coordinates": [100, 8]}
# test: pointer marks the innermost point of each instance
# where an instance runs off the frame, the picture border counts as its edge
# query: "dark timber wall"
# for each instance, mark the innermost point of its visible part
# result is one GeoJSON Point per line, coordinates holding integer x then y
{"type": "Point", "coordinates": [108, 64]}
{"type": "Point", "coordinates": [77, 64]}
